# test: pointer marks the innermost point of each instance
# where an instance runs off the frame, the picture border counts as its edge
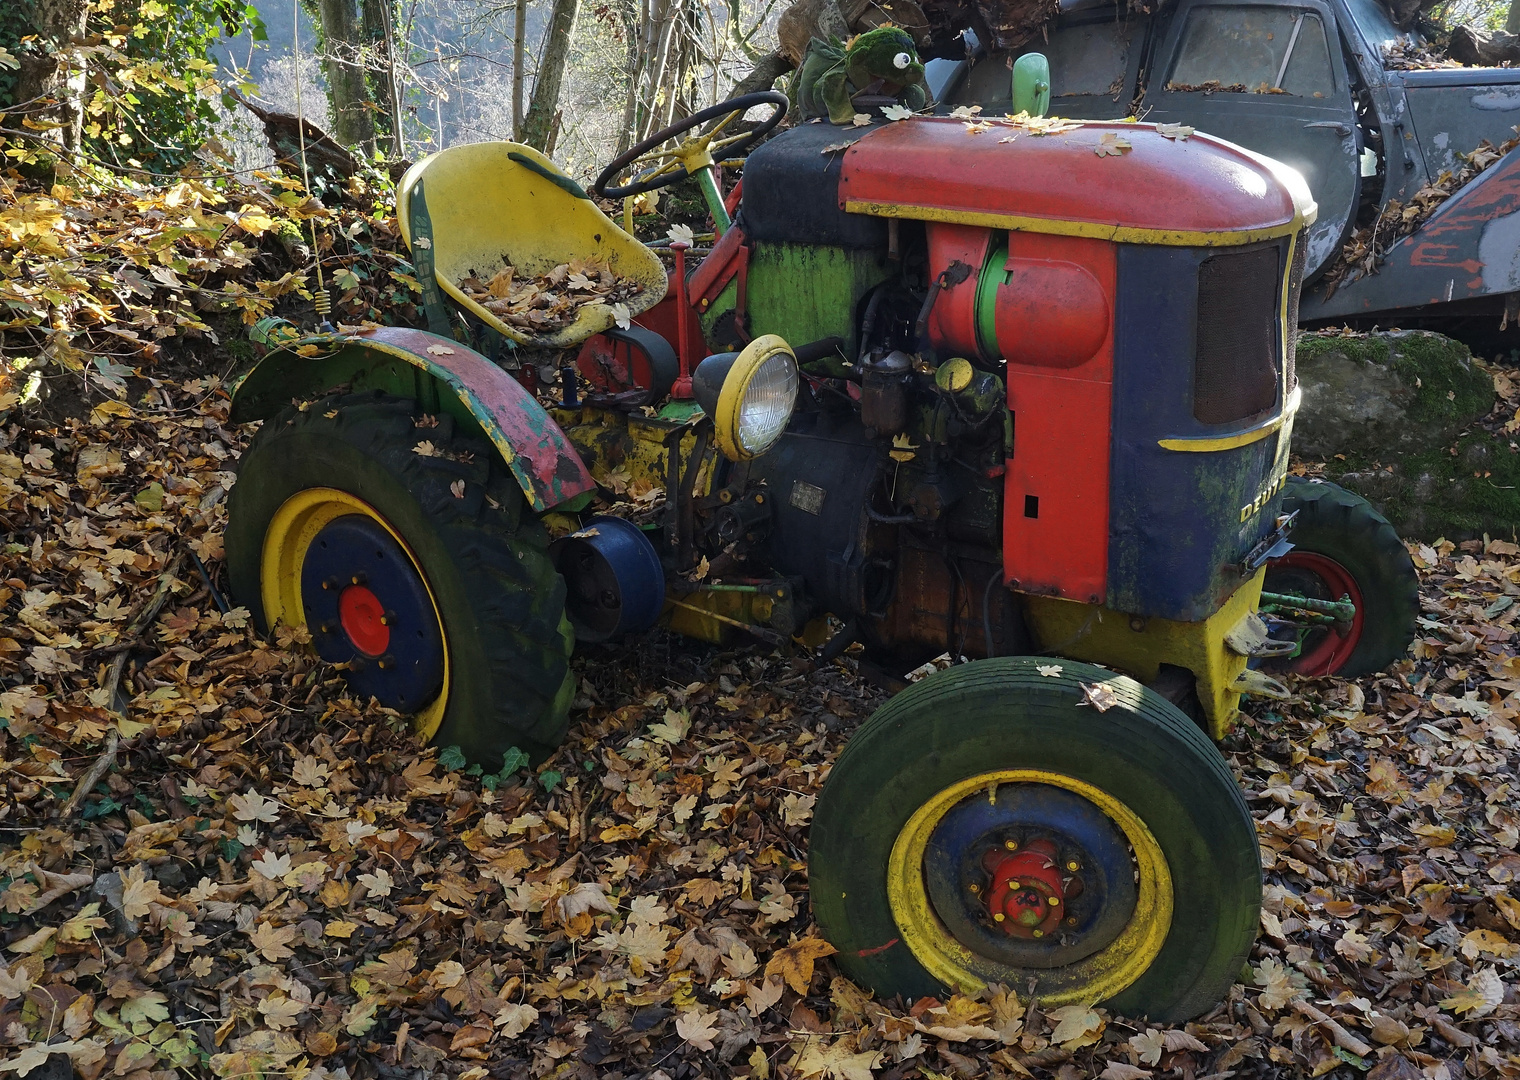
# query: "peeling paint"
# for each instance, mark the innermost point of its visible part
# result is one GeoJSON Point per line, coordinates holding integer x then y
{"type": "Point", "coordinates": [1499, 252]}
{"type": "Point", "coordinates": [1497, 101]}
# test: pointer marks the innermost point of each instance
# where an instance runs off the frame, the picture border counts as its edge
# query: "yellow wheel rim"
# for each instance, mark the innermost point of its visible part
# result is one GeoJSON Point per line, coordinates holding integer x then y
{"type": "Point", "coordinates": [290, 533]}
{"type": "Point", "coordinates": [1093, 979]}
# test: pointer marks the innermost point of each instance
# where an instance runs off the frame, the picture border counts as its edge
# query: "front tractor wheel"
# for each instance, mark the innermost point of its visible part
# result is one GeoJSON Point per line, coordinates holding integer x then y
{"type": "Point", "coordinates": [1343, 549]}
{"type": "Point", "coordinates": [406, 553]}
{"type": "Point", "coordinates": [993, 824]}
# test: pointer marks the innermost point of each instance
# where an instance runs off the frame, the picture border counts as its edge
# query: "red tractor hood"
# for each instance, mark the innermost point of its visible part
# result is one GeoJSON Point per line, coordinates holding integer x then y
{"type": "Point", "coordinates": [1081, 182]}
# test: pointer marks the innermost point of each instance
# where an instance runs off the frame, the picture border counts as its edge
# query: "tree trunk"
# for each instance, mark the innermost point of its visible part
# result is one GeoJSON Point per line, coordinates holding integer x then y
{"type": "Point", "coordinates": [1512, 20]}
{"type": "Point", "coordinates": [343, 39]}
{"type": "Point", "coordinates": [383, 74]}
{"type": "Point", "coordinates": [539, 123]}
{"type": "Point", "coordinates": [47, 72]}
{"type": "Point", "coordinates": [519, 61]}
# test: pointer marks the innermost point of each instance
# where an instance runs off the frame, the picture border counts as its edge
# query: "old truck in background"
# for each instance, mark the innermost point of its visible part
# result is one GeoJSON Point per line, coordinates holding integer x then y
{"type": "Point", "coordinates": [1321, 85]}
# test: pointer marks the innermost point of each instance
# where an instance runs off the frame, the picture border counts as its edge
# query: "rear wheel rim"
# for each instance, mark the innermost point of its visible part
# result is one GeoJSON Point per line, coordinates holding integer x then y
{"type": "Point", "coordinates": [353, 626]}
{"type": "Point", "coordinates": [965, 961]}
{"type": "Point", "coordinates": [1324, 651]}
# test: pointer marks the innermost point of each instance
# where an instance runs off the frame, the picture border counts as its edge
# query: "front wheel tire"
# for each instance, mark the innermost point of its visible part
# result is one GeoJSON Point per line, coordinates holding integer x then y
{"type": "Point", "coordinates": [407, 553]}
{"type": "Point", "coordinates": [992, 825]}
{"type": "Point", "coordinates": [1343, 547]}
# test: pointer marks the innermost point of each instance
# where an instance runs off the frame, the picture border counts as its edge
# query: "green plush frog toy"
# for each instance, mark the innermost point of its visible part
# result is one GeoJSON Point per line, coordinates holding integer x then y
{"type": "Point", "coordinates": [882, 61]}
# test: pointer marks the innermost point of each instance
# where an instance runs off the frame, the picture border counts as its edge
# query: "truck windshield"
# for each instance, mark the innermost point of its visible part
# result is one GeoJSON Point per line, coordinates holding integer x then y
{"type": "Point", "coordinates": [1259, 50]}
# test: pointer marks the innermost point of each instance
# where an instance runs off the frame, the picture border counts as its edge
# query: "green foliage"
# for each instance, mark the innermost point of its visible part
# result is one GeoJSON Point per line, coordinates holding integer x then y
{"type": "Point", "coordinates": [511, 761]}
{"type": "Point", "coordinates": [152, 95]}
{"type": "Point", "coordinates": [550, 779]}
{"type": "Point", "coordinates": [164, 92]}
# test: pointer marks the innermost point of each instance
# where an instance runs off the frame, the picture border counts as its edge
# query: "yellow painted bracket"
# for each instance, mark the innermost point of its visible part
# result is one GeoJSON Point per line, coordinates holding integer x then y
{"type": "Point", "coordinates": [1139, 646]}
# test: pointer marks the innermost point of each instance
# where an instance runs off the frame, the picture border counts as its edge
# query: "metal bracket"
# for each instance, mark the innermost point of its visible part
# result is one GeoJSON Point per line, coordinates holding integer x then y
{"type": "Point", "coordinates": [1272, 546]}
{"type": "Point", "coordinates": [1251, 637]}
{"type": "Point", "coordinates": [1251, 681]}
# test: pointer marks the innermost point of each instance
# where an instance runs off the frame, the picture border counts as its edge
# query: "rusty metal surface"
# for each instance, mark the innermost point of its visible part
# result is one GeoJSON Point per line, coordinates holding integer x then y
{"type": "Point", "coordinates": [542, 459]}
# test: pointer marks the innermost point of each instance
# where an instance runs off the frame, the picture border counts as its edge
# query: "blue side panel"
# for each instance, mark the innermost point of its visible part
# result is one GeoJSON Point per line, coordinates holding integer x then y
{"type": "Point", "coordinates": [1176, 534]}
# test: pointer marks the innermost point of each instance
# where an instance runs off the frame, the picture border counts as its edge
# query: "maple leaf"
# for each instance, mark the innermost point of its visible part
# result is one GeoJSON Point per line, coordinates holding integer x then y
{"type": "Point", "coordinates": [682, 234]}
{"type": "Point", "coordinates": [309, 772]}
{"type": "Point", "coordinates": [586, 896]}
{"type": "Point", "coordinates": [138, 892]}
{"type": "Point", "coordinates": [1148, 1046]}
{"type": "Point", "coordinates": [1111, 144]}
{"type": "Point", "coordinates": [272, 866]}
{"type": "Point", "coordinates": [1076, 1026]}
{"type": "Point", "coordinates": [860, 119]}
{"type": "Point", "coordinates": [763, 995]}
{"type": "Point", "coordinates": [440, 350]}
{"type": "Point", "coordinates": [896, 112]}
{"type": "Point", "coordinates": [273, 942]}
{"type": "Point", "coordinates": [1099, 695]}
{"type": "Point", "coordinates": [379, 883]}
{"type": "Point", "coordinates": [254, 807]}
{"type": "Point", "coordinates": [281, 1012]}
{"type": "Point", "coordinates": [697, 1027]}
{"type": "Point", "coordinates": [673, 728]}
{"type": "Point", "coordinates": [1050, 671]}
{"type": "Point", "coordinates": [149, 1005]}
{"type": "Point", "coordinates": [1120, 1070]}
{"type": "Point", "coordinates": [359, 1018]}
{"type": "Point", "coordinates": [1483, 994]}
{"type": "Point", "coordinates": [15, 982]}
{"type": "Point", "coordinates": [515, 1019]}
{"type": "Point", "coordinates": [838, 1061]}
{"type": "Point", "coordinates": [1279, 985]}
{"type": "Point", "coordinates": [1180, 132]}
{"type": "Point", "coordinates": [647, 910]}
{"type": "Point", "coordinates": [794, 963]}
{"type": "Point", "coordinates": [965, 112]}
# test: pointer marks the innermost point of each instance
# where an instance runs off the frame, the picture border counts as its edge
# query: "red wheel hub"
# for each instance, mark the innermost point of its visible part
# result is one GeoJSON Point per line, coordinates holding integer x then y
{"type": "Point", "coordinates": [363, 619]}
{"type": "Point", "coordinates": [1030, 887]}
{"type": "Point", "coordinates": [1330, 653]}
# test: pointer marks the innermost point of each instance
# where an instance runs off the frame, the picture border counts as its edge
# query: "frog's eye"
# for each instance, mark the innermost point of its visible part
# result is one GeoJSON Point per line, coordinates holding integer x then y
{"type": "Point", "coordinates": [901, 61]}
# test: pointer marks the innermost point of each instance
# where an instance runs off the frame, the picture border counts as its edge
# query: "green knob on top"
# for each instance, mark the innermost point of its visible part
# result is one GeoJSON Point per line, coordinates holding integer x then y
{"type": "Point", "coordinates": [1031, 84]}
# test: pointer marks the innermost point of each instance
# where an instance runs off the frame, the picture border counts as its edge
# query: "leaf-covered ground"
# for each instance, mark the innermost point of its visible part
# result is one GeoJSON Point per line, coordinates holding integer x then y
{"type": "Point", "coordinates": [268, 878]}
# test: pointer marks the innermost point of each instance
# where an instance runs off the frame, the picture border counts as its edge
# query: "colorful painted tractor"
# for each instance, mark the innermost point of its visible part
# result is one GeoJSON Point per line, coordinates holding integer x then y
{"type": "Point", "coordinates": [997, 395]}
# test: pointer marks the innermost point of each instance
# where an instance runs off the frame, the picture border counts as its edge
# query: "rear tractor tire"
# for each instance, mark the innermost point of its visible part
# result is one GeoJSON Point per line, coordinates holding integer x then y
{"type": "Point", "coordinates": [422, 574]}
{"type": "Point", "coordinates": [1343, 547]}
{"type": "Point", "coordinates": [992, 824]}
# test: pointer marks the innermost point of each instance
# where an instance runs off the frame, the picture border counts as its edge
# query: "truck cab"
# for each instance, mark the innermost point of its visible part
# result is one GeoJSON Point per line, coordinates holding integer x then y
{"type": "Point", "coordinates": [1318, 85]}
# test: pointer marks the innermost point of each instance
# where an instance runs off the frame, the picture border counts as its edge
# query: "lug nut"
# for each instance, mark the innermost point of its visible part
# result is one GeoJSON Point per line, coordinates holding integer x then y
{"type": "Point", "coordinates": [975, 889]}
{"type": "Point", "coordinates": [388, 661]}
{"type": "Point", "coordinates": [1038, 933]}
{"type": "Point", "coordinates": [998, 917]}
{"type": "Point", "coordinates": [1072, 921]}
{"type": "Point", "coordinates": [357, 579]}
{"type": "Point", "coordinates": [1073, 866]}
{"type": "Point", "coordinates": [1011, 845]}
{"type": "Point", "coordinates": [1055, 901]}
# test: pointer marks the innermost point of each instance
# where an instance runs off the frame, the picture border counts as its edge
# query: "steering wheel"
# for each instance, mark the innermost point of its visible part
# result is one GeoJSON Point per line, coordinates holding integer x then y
{"type": "Point", "coordinates": [691, 154]}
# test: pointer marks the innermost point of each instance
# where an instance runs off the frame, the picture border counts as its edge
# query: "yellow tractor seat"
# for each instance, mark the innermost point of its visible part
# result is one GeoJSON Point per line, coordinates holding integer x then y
{"type": "Point", "coordinates": [495, 204]}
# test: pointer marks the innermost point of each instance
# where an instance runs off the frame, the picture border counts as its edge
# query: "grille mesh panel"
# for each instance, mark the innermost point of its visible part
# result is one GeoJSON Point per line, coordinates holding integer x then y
{"type": "Point", "coordinates": [1235, 369]}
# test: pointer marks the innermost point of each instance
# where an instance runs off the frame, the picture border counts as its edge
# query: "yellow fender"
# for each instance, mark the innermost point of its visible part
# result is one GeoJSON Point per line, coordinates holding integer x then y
{"type": "Point", "coordinates": [495, 203]}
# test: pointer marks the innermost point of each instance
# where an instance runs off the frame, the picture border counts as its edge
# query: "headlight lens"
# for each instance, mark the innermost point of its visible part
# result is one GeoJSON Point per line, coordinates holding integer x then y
{"type": "Point", "coordinates": [766, 405]}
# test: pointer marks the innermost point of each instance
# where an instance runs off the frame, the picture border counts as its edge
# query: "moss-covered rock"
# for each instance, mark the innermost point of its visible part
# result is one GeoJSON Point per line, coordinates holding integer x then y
{"type": "Point", "coordinates": [1395, 417]}
{"type": "Point", "coordinates": [1404, 391]}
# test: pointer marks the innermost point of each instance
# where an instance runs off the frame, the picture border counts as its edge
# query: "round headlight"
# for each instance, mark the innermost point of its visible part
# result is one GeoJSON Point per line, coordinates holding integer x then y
{"type": "Point", "coordinates": [757, 398]}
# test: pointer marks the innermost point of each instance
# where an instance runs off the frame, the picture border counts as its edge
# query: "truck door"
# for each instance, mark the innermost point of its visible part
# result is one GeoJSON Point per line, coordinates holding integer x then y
{"type": "Point", "coordinates": [1272, 78]}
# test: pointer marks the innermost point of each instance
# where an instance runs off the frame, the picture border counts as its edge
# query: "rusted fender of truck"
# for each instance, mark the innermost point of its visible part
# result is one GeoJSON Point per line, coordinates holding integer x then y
{"type": "Point", "coordinates": [443, 376]}
{"type": "Point", "coordinates": [1470, 247]}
